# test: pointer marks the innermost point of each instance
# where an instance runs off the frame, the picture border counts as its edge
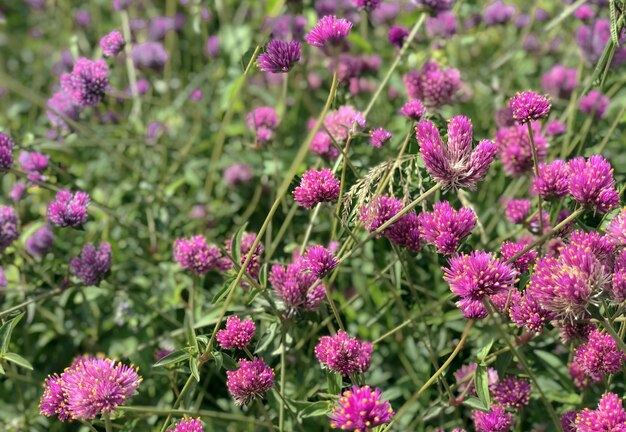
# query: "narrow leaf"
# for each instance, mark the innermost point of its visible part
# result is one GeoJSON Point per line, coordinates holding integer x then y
{"type": "Point", "coordinates": [219, 360]}
{"type": "Point", "coordinates": [6, 330]}
{"type": "Point", "coordinates": [173, 358]}
{"type": "Point", "coordinates": [193, 366]}
{"type": "Point", "coordinates": [481, 382]}
{"type": "Point", "coordinates": [18, 360]}
{"type": "Point", "coordinates": [315, 409]}
{"type": "Point", "coordinates": [482, 354]}
{"type": "Point", "coordinates": [190, 333]}
{"type": "Point", "coordinates": [229, 362]}
{"type": "Point", "coordinates": [475, 403]}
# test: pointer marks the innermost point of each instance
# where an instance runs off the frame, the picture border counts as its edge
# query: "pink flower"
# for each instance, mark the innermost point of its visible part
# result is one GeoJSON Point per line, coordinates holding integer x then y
{"type": "Point", "coordinates": [343, 354]}
{"type": "Point", "coordinates": [360, 409]}
{"type": "Point", "coordinates": [237, 333]}
{"type": "Point", "coordinates": [251, 381]}
{"type": "Point", "coordinates": [316, 187]}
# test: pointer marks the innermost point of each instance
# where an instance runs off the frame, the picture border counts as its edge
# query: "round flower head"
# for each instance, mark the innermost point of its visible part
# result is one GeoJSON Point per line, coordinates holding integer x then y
{"type": "Point", "coordinates": [618, 285]}
{"type": "Point", "coordinates": [560, 81]}
{"type": "Point", "coordinates": [33, 161]}
{"type": "Point", "coordinates": [149, 55]}
{"type": "Point", "coordinates": [40, 242]}
{"type": "Point", "coordinates": [397, 35]}
{"type": "Point", "coordinates": [316, 187]}
{"type": "Point", "coordinates": [455, 164]}
{"type": "Point", "coordinates": [528, 313]}
{"type": "Point", "coordinates": [97, 385]}
{"type": "Point", "coordinates": [293, 285]}
{"type": "Point", "coordinates": [498, 12]}
{"type": "Point", "coordinates": [54, 400]}
{"type": "Point", "coordinates": [515, 149]}
{"type": "Point", "coordinates": [9, 226]}
{"type": "Point", "coordinates": [93, 264]}
{"type": "Point", "coordinates": [367, 5]}
{"type": "Point", "coordinates": [360, 409]}
{"type": "Point", "coordinates": [599, 356]}
{"type": "Point", "coordinates": [591, 183]}
{"type": "Point", "coordinates": [238, 174]}
{"type": "Point", "coordinates": [237, 333]}
{"type": "Point", "coordinates": [512, 392]}
{"type": "Point", "coordinates": [594, 103]}
{"type": "Point", "coordinates": [495, 420]}
{"type": "Point", "coordinates": [610, 416]}
{"type": "Point", "coordinates": [319, 261]}
{"type": "Point", "coordinates": [251, 381]}
{"type": "Point", "coordinates": [568, 420]}
{"type": "Point", "coordinates": [529, 106]}
{"type": "Point", "coordinates": [445, 227]}
{"type": "Point", "coordinates": [345, 120]}
{"type": "Point", "coordinates": [254, 265]}
{"type": "Point", "coordinates": [555, 127]}
{"type": "Point", "coordinates": [553, 180]}
{"type": "Point", "coordinates": [413, 109]}
{"type": "Point", "coordinates": [592, 39]}
{"type": "Point", "coordinates": [522, 264]}
{"type": "Point", "coordinates": [17, 191]}
{"type": "Point", "coordinates": [279, 56]}
{"type": "Point", "coordinates": [617, 228]}
{"type": "Point", "coordinates": [329, 31]}
{"type": "Point", "coordinates": [443, 25]}
{"type": "Point", "coordinates": [433, 85]}
{"type": "Point", "coordinates": [322, 145]}
{"type": "Point", "coordinates": [87, 83]}
{"type": "Point", "coordinates": [6, 151]}
{"type": "Point", "coordinates": [378, 137]}
{"type": "Point", "coordinates": [378, 211]}
{"type": "Point", "coordinates": [61, 106]}
{"type": "Point", "coordinates": [262, 121]}
{"type": "Point", "coordinates": [517, 210]}
{"type": "Point", "coordinates": [196, 255]}
{"type": "Point", "coordinates": [343, 354]}
{"type": "Point", "coordinates": [112, 43]}
{"type": "Point", "coordinates": [189, 425]}
{"type": "Point", "coordinates": [67, 209]}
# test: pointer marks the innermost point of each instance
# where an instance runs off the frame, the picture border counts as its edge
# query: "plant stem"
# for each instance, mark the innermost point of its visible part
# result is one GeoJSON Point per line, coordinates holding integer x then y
{"type": "Point", "coordinates": [618, 340]}
{"type": "Point", "coordinates": [135, 113]}
{"type": "Point", "coordinates": [108, 426]}
{"type": "Point", "coordinates": [29, 301]}
{"type": "Point", "coordinates": [149, 410]}
{"type": "Point", "coordinates": [281, 412]}
{"type": "Point", "coordinates": [536, 167]}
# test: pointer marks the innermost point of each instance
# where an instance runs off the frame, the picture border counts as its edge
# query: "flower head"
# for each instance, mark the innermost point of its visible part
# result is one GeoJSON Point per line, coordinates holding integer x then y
{"type": "Point", "coordinates": [251, 381]}
{"type": "Point", "coordinates": [196, 255]}
{"type": "Point", "coordinates": [591, 183]}
{"type": "Point", "coordinates": [497, 12]}
{"type": "Point", "coordinates": [343, 354]}
{"type": "Point", "coordinates": [413, 109]}
{"type": "Point", "coordinates": [434, 5]}
{"type": "Point", "coordinates": [40, 242]}
{"type": "Point", "coordinates": [464, 378]}
{"type": "Point", "coordinates": [592, 39]}
{"type": "Point", "coordinates": [594, 103]}
{"type": "Point", "coordinates": [262, 121]}
{"type": "Point", "coordinates": [112, 43]}
{"type": "Point", "coordinates": [553, 180]}
{"type": "Point", "coordinates": [87, 83]}
{"type": "Point", "coordinates": [528, 313]}
{"type": "Point", "coordinates": [280, 56]}
{"type": "Point", "coordinates": [512, 392]}
{"type": "Point", "coordinates": [254, 265]}
{"type": "Point", "coordinates": [67, 209]}
{"type": "Point", "coordinates": [495, 420]}
{"type": "Point", "coordinates": [361, 409]}
{"type": "Point", "coordinates": [555, 127]}
{"type": "Point", "coordinates": [189, 425]}
{"type": "Point", "coordinates": [293, 285]}
{"type": "Point", "coordinates": [445, 227]}
{"type": "Point", "coordinates": [404, 231]}
{"type": "Point", "coordinates": [599, 356]}
{"type": "Point", "coordinates": [319, 261]}
{"type": "Point", "coordinates": [397, 35]}
{"type": "Point", "coordinates": [443, 25]}
{"type": "Point", "coordinates": [9, 226]}
{"type": "Point", "coordinates": [61, 106]}
{"type": "Point", "coordinates": [378, 137]}
{"type": "Point", "coordinates": [237, 174]}
{"type": "Point", "coordinates": [237, 333]}
{"type": "Point", "coordinates": [529, 106]}
{"type": "Point", "coordinates": [433, 85]}
{"type": "Point", "coordinates": [455, 165]}
{"type": "Point", "coordinates": [522, 264]}
{"type": "Point", "coordinates": [610, 416]}
{"type": "Point", "coordinates": [93, 264]}
{"type": "Point", "coordinates": [560, 81]}
{"type": "Point", "coordinates": [149, 55]}
{"type": "Point", "coordinates": [33, 161]}
{"type": "Point", "coordinates": [6, 151]}
{"type": "Point", "coordinates": [316, 187]}
{"type": "Point", "coordinates": [329, 31]}
{"type": "Point", "coordinates": [515, 149]}
{"type": "Point", "coordinates": [344, 121]}
{"type": "Point", "coordinates": [54, 401]}
{"type": "Point", "coordinates": [617, 228]}
{"type": "Point", "coordinates": [17, 191]}
{"type": "Point", "coordinates": [568, 420]}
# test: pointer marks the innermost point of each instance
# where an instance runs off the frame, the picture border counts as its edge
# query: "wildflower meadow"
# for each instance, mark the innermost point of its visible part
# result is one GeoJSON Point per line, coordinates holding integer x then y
{"type": "Point", "coordinates": [312, 215]}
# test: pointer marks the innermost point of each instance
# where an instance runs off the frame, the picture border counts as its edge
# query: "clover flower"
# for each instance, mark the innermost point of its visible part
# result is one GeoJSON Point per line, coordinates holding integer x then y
{"type": "Point", "coordinates": [9, 226]}
{"type": "Point", "coordinates": [237, 333]}
{"type": "Point", "coordinates": [560, 81]}
{"type": "Point", "coordinates": [329, 31]}
{"type": "Point", "coordinates": [280, 56]}
{"type": "Point", "coordinates": [293, 285]}
{"type": "Point", "coordinates": [360, 409]}
{"type": "Point", "coordinates": [529, 106]}
{"type": "Point", "coordinates": [316, 187]}
{"type": "Point", "coordinates": [510, 249]}
{"type": "Point", "coordinates": [609, 416]}
{"type": "Point", "coordinates": [93, 264]}
{"type": "Point", "coordinates": [494, 420]}
{"type": "Point", "coordinates": [189, 425]}
{"type": "Point", "coordinates": [413, 109]}
{"type": "Point", "coordinates": [397, 35]}
{"type": "Point", "coordinates": [594, 103]}
{"type": "Point", "coordinates": [512, 392]}
{"type": "Point", "coordinates": [591, 183]}
{"type": "Point", "coordinates": [262, 121]}
{"type": "Point", "coordinates": [600, 356]}
{"type": "Point", "coordinates": [87, 83]}
{"type": "Point", "coordinates": [319, 261]}
{"type": "Point", "coordinates": [112, 43]}
{"type": "Point", "coordinates": [68, 209]}
{"type": "Point", "coordinates": [515, 149]}
{"type": "Point", "coordinates": [40, 242]}
{"type": "Point", "coordinates": [379, 136]}
{"type": "Point", "coordinates": [552, 181]}
{"type": "Point", "coordinates": [6, 151]}
{"type": "Point", "coordinates": [343, 354]}
{"type": "Point", "coordinates": [446, 227]}
{"type": "Point", "coordinates": [196, 255]}
{"type": "Point", "coordinates": [149, 55]}
{"type": "Point", "coordinates": [251, 381]}
{"type": "Point", "coordinates": [432, 84]}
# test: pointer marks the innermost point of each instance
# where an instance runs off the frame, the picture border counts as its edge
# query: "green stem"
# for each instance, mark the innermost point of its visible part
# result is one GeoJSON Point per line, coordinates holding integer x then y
{"type": "Point", "coordinates": [135, 113]}
{"type": "Point", "coordinates": [618, 340]}
{"type": "Point", "coordinates": [108, 426]}
{"type": "Point", "coordinates": [150, 411]}
{"type": "Point", "coordinates": [536, 167]}
{"type": "Point", "coordinates": [281, 412]}
{"type": "Point", "coordinates": [29, 301]}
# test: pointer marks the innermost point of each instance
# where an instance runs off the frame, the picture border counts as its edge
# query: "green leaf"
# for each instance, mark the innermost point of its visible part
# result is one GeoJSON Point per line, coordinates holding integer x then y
{"type": "Point", "coordinates": [334, 382]}
{"type": "Point", "coordinates": [315, 409]}
{"type": "Point", "coordinates": [173, 358]}
{"type": "Point", "coordinates": [5, 332]}
{"type": "Point", "coordinates": [235, 248]}
{"type": "Point", "coordinates": [193, 366]}
{"type": "Point", "coordinates": [475, 403]}
{"type": "Point", "coordinates": [229, 362]}
{"type": "Point", "coordinates": [219, 360]}
{"type": "Point", "coordinates": [1, 370]}
{"type": "Point", "coordinates": [221, 293]}
{"type": "Point", "coordinates": [18, 360]}
{"type": "Point", "coordinates": [481, 382]}
{"type": "Point", "coordinates": [482, 353]}
{"type": "Point", "coordinates": [190, 333]}
{"type": "Point", "coordinates": [613, 18]}
{"type": "Point", "coordinates": [267, 338]}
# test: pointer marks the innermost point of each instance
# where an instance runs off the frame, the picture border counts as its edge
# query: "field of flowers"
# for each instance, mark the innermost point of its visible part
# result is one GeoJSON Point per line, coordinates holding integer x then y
{"type": "Point", "coordinates": [312, 215]}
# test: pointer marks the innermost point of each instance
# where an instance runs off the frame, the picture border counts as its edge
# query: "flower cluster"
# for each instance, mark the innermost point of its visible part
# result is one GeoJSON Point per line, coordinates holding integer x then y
{"type": "Point", "coordinates": [512, 392]}
{"type": "Point", "coordinates": [40, 242]}
{"type": "Point", "coordinates": [552, 181]}
{"type": "Point", "coordinates": [316, 187]}
{"type": "Point", "coordinates": [68, 209]}
{"type": "Point", "coordinates": [343, 354]}
{"type": "Point", "coordinates": [93, 264]}
{"type": "Point", "coordinates": [599, 356]}
{"type": "Point", "coordinates": [560, 81]}
{"type": "Point", "coordinates": [591, 183]}
{"type": "Point", "coordinates": [378, 137]}
{"type": "Point", "coordinates": [529, 106]}
{"type": "Point", "coordinates": [149, 55]}
{"type": "Point", "coordinates": [515, 149]}
{"type": "Point", "coordinates": [251, 381]}
{"type": "Point", "coordinates": [405, 231]}
{"type": "Point", "coordinates": [610, 416]}
{"type": "Point", "coordinates": [262, 121]}
{"type": "Point", "coordinates": [594, 103]}
{"type": "Point", "coordinates": [319, 261]}
{"type": "Point", "coordinates": [190, 425]}
{"type": "Point", "coordinates": [237, 333]}
{"type": "Point", "coordinates": [445, 227]}
{"type": "Point", "coordinates": [360, 409]}
{"type": "Point", "coordinates": [329, 31]}
{"type": "Point", "coordinates": [254, 265]}
{"type": "Point", "coordinates": [196, 255]}
{"type": "Point", "coordinates": [494, 420]}
{"type": "Point", "coordinates": [433, 85]}
{"type": "Point", "coordinates": [296, 287]}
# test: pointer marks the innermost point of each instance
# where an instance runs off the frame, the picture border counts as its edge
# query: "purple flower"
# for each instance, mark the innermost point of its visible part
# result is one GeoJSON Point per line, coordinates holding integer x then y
{"type": "Point", "coordinates": [262, 121]}
{"type": "Point", "coordinates": [251, 381]}
{"type": "Point", "coordinates": [189, 425]}
{"type": "Point", "coordinates": [568, 420]}
{"type": "Point", "coordinates": [322, 145]}
{"type": "Point", "coordinates": [280, 56]}
{"type": "Point", "coordinates": [434, 5]}
{"type": "Point", "coordinates": [433, 85]}
{"type": "Point", "coordinates": [443, 25]}
{"type": "Point", "coordinates": [464, 378]}
{"type": "Point", "coordinates": [254, 265]}
{"type": "Point", "coordinates": [591, 183]}
{"type": "Point", "coordinates": [560, 81]}
{"type": "Point", "coordinates": [54, 400]}
{"type": "Point", "coordinates": [403, 232]}
{"type": "Point", "coordinates": [149, 55]}
{"type": "Point", "coordinates": [112, 43]}
{"type": "Point", "coordinates": [17, 191]}
{"type": "Point", "coordinates": [397, 35]}
{"type": "Point", "coordinates": [343, 354]}
{"type": "Point", "coordinates": [610, 416]}
{"type": "Point", "coordinates": [517, 210]}
{"type": "Point", "coordinates": [514, 147]}
{"type": "Point", "coordinates": [161, 25]}
{"type": "Point", "coordinates": [286, 27]}
{"type": "Point", "coordinates": [555, 127]}
{"type": "Point", "coordinates": [413, 109]}
{"type": "Point", "coordinates": [592, 39]}
{"type": "Point", "coordinates": [212, 47]}
{"type": "Point", "coordinates": [195, 255]}
{"type": "Point", "coordinates": [498, 12]}
{"type": "Point", "coordinates": [360, 409]}
{"type": "Point", "coordinates": [584, 12]}
{"type": "Point", "coordinates": [379, 136]}
{"type": "Point", "coordinates": [528, 313]}
{"type": "Point", "coordinates": [61, 106]}
{"type": "Point", "coordinates": [504, 117]}
{"type": "Point", "coordinates": [495, 420]}
{"type": "Point", "coordinates": [617, 228]}
{"type": "Point", "coordinates": [367, 5]}
{"type": "Point", "coordinates": [553, 180]}
{"type": "Point", "coordinates": [67, 209]}
{"type": "Point", "coordinates": [119, 5]}
{"type": "Point", "coordinates": [33, 161]}
{"type": "Point", "coordinates": [594, 103]}
{"type": "Point", "coordinates": [523, 263]}
{"type": "Point", "coordinates": [329, 31]}
{"type": "Point", "coordinates": [87, 83]}
{"type": "Point", "coordinates": [237, 174]}
{"type": "Point", "coordinates": [445, 228]}
{"type": "Point", "coordinates": [6, 151]}
{"type": "Point", "coordinates": [529, 106]}
{"type": "Point", "coordinates": [93, 265]}
{"type": "Point", "coordinates": [342, 122]}
{"type": "Point", "coordinates": [512, 392]}
{"type": "Point", "coordinates": [40, 242]}
{"type": "Point", "coordinates": [293, 285]}
{"type": "Point", "coordinates": [196, 95]}
{"type": "Point", "coordinates": [599, 356]}
{"type": "Point", "coordinates": [316, 187]}
{"type": "Point", "coordinates": [455, 165]}
{"type": "Point", "coordinates": [574, 332]}
{"type": "Point", "coordinates": [319, 261]}
{"type": "Point", "coordinates": [83, 18]}
{"type": "Point", "coordinates": [237, 333]}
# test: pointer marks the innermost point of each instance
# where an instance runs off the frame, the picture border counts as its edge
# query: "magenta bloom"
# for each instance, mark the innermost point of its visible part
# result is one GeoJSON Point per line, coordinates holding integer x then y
{"type": "Point", "coordinates": [322, 145]}
{"type": "Point", "coordinates": [237, 333]}
{"type": "Point", "coordinates": [93, 264]}
{"type": "Point", "coordinates": [529, 106]}
{"type": "Point", "coordinates": [6, 151]}
{"type": "Point", "coordinates": [262, 121]}
{"type": "Point", "coordinates": [112, 43]}
{"type": "Point", "coordinates": [433, 85]}
{"type": "Point", "coordinates": [189, 425]}
{"type": "Point", "coordinates": [555, 127]}
{"type": "Point", "coordinates": [443, 25]}
{"type": "Point", "coordinates": [618, 286]}
{"type": "Point", "coordinates": [594, 103]}
{"type": "Point", "coordinates": [344, 121]}
{"type": "Point", "coordinates": [610, 416]}
{"type": "Point", "coordinates": [316, 187]}
{"type": "Point", "coordinates": [87, 83]}
{"type": "Point", "coordinates": [360, 409]}
{"type": "Point", "coordinates": [464, 378]}
{"type": "Point", "coordinates": [445, 227]}
{"type": "Point", "coordinates": [591, 183]}
{"type": "Point", "coordinates": [403, 232]}
{"type": "Point", "coordinates": [67, 209]}
{"type": "Point", "coordinates": [368, 5]}
{"type": "Point", "coordinates": [479, 274]}
{"type": "Point", "coordinates": [434, 5]}
{"type": "Point", "coordinates": [195, 255]}
{"type": "Point", "coordinates": [455, 165]}
{"type": "Point", "coordinates": [17, 191]}
{"type": "Point", "coordinates": [599, 356]}
{"type": "Point", "coordinates": [497, 12]}
{"type": "Point", "coordinates": [512, 392]}
{"type": "Point", "coordinates": [251, 381]}
{"type": "Point", "coordinates": [397, 35]}
{"type": "Point", "coordinates": [343, 354]}
{"type": "Point", "coordinates": [319, 261]}
{"type": "Point", "coordinates": [54, 401]}
{"type": "Point", "coordinates": [523, 263]}
{"type": "Point", "coordinates": [61, 106]}
{"type": "Point", "coordinates": [560, 81]}
{"type": "Point", "coordinates": [254, 265]}
{"type": "Point", "coordinates": [568, 420]}
{"type": "Point", "coordinates": [515, 151]}
{"type": "Point", "coordinates": [617, 228]}
{"type": "Point", "coordinates": [33, 162]}
{"type": "Point", "coordinates": [280, 56]}
{"type": "Point", "coordinates": [237, 174]}
{"type": "Point", "coordinates": [40, 242]}
{"type": "Point", "coordinates": [517, 210]}
{"type": "Point", "coordinates": [495, 420]}
{"type": "Point", "coordinates": [553, 180]}
{"type": "Point", "coordinates": [528, 313]}
{"type": "Point", "coordinates": [149, 55]}
{"type": "Point", "coordinates": [413, 109]}
{"type": "Point", "coordinates": [9, 226]}
{"type": "Point", "coordinates": [329, 31]}
{"type": "Point", "coordinates": [293, 286]}
{"type": "Point", "coordinates": [592, 39]}
{"type": "Point", "coordinates": [380, 136]}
